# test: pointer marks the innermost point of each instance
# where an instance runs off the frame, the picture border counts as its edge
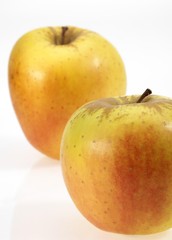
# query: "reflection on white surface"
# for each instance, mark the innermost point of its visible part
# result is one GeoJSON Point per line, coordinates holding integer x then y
{"type": "Point", "coordinates": [44, 210]}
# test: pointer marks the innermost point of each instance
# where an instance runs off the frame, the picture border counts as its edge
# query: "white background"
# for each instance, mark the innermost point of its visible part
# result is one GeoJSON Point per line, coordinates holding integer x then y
{"type": "Point", "coordinates": [34, 203]}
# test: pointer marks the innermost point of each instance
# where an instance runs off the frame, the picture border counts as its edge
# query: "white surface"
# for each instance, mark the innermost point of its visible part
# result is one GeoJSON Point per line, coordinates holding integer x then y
{"type": "Point", "coordinates": [34, 203]}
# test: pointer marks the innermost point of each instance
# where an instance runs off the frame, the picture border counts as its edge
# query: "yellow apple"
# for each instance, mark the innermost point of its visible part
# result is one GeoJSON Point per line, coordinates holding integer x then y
{"type": "Point", "coordinates": [117, 163]}
{"type": "Point", "coordinates": [55, 70]}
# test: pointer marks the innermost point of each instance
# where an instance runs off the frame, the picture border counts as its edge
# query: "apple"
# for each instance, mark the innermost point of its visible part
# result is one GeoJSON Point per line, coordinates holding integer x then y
{"type": "Point", "coordinates": [116, 156]}
{"type": "Point", "coordinates": [55, 70]}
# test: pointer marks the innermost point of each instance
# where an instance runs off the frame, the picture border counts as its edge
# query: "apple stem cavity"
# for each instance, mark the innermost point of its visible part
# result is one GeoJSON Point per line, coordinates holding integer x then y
{"type": "Point", "coordinates": [55, 36]}
{"type": "Point", "coordinates": [145, 94]}
{"type": "Point", "coordinates": [64, 30]}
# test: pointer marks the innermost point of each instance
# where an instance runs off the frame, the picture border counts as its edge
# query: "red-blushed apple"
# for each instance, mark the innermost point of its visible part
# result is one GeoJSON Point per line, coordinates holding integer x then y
{"type": "Point", "coordinates": [116, 158]}
{"type": "Point", "coordinates": [55, 70]}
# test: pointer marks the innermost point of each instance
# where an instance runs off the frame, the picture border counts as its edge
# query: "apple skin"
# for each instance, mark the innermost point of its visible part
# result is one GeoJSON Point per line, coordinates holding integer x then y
{"type": "Point", "coordinates": [49, 80]}
{"type": "Point", "coordinates": [116, 158]}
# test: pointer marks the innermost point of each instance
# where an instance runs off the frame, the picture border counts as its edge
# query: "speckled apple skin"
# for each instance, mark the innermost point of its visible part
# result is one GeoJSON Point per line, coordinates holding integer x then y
{"type": "Point", "coordinates": [49, 81]}
{"type": "Point", "coordinates": [117, 163]}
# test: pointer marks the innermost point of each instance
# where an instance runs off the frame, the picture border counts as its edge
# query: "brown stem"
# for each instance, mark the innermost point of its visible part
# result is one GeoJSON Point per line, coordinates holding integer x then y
{"type": "Point", "coordinates": [145, 94]}
{"type": "Point", "coordinates": [64, 29]}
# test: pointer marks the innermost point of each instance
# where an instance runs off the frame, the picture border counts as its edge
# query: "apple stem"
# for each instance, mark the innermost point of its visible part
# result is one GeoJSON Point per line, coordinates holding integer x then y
{"type": "Point", "coordinates": [64, 29]}
{"type": "Point", "coordinates": [145, 94]}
